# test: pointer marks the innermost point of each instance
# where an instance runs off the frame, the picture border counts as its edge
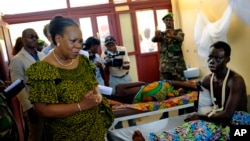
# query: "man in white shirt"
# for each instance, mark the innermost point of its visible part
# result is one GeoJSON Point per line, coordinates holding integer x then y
{"type": "Point", "coordinates": [117, 65]}
{"type": "Point", "coordinates": [146, 43]}
{"type": "Point", "coordinates": [116, 62]}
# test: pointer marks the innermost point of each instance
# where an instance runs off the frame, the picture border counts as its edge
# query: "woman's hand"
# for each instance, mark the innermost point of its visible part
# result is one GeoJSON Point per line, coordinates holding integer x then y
{"type": "Point", "coordinates": [98, 95]}
{"type": "Point", "coordinates": [90, 100]}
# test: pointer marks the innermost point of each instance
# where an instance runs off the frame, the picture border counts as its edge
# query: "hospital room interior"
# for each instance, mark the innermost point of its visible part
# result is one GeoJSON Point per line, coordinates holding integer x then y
{"type": "Point", "coordinates": [203, 22]}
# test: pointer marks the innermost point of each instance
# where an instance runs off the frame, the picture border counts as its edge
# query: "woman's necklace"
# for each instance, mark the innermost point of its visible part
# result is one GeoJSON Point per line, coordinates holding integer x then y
{"type": "Point", "coordinates": [60, 62]}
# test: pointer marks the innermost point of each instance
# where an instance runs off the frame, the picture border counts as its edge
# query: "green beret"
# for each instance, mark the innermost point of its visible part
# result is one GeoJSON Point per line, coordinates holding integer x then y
{"type": "Point", "coordinates": [169, 15]}
{"type": "Point", "coordinates": [41, 42]}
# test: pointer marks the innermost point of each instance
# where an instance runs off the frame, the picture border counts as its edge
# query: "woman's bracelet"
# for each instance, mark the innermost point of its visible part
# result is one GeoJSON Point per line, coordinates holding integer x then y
{"type": "Point", "coordinates": [79, 107]}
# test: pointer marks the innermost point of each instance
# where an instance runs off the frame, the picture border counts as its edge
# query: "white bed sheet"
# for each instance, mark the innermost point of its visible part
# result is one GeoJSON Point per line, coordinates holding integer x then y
{"type": "Point", "coordinates": [150, 113]}
{"type": "Point", "coordinates": [125, 134]}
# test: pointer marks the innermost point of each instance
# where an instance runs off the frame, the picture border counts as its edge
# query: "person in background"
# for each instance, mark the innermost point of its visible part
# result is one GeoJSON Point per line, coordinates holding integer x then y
{"type": "Point", "coordinates": [116, 63]}
{"type": "Point", "coordinates": [46, 50]}
{"type": "Point", "coordinates": [84, 52]}
{"type": "Point", "coordinates": [226, 90]}
{"type": "Point", "coordinates": [41, 44]}
{"type": "Point", "coordinates": [64, 89]}
{"type": "Point", "coordinates": [146, 44]}
{"type": "Point", "coordinates": [91, 45]}
{"type": "Point", "coordinates": [117, 66]}
{"type": "Point", "coordinates": [172, 62]}
{"type": "Point", "coordinates": [18, 46]}
{"type": "Point", "coordinates": [18, 64]}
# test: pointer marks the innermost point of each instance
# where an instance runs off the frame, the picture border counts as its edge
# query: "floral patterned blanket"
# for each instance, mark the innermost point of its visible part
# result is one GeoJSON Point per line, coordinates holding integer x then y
{"type": "Point", "coordinates": [199, 130]}
{"type": "Point", "coordinates": [157, 105]}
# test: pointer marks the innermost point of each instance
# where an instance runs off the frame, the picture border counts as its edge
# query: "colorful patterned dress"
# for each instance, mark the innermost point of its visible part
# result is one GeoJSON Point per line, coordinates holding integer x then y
{"type": "Point", "coordinates": [49, 84]}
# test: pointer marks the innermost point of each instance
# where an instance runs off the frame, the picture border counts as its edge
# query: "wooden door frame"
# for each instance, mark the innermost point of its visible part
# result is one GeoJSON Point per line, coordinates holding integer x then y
{"type": "Point", "coordinates": [108, 9]}
{"type": "Point", "coordinates": [139, 56]}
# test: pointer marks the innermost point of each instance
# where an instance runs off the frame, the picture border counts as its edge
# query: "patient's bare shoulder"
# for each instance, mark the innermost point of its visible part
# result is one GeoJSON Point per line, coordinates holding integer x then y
{"type": "Point", "coordinates": [236, 78]}
{"type": "Point", "coordinates": [205, 81]}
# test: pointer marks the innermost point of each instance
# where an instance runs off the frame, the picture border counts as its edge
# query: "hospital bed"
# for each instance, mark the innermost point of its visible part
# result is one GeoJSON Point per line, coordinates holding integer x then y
{"type": "Point", "coordinates": [127, 111]}
{"type": "Point", "coordinates": [125, 134]}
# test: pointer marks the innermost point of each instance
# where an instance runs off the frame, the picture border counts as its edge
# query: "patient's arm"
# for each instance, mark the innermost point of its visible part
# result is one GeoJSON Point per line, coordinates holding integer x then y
{"type": "Point", "coordinates": [114, 102]}
{"type": "Point", "coordinates": [190, 84]}
{"type": "Point", "coordinates": [128, 88]}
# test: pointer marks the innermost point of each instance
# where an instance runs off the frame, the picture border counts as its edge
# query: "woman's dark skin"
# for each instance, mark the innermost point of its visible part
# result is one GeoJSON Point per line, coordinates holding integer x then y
{"type": "Point", "coordinates": [236, 96]}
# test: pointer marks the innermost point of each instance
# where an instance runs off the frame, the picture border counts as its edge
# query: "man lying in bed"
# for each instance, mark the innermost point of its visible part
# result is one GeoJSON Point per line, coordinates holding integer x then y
{"type": "Point", "coordinates": [137, 97]}
{"type": "Point", "coordinates": [228, 90]}
{"type": "Point", "coordinates": [135, 92]}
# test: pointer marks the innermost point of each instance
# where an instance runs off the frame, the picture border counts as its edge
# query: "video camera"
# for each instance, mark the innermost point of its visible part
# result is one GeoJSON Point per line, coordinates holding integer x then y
{"type": "Point", "coordinates": [114, 54]}
{"type": "Point", "coordinates": [110, 59]}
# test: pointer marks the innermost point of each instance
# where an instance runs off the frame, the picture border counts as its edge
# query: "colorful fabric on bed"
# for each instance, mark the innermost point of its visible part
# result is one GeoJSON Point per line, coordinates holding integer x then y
{"type": "Point", "coordinates": [152, 106]}
{"type": "Point", "coordinates": [200, 130]}
{"type": "Point", "coordinates": [157, 91]}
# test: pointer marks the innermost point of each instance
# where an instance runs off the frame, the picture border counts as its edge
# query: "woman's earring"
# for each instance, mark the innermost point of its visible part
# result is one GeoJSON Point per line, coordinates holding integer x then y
{"type": "Point", "coordinates": [58, 44]}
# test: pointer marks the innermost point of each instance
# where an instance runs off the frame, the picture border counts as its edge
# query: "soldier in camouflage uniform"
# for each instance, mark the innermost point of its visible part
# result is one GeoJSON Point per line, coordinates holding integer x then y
{"type": "Point", "coordinates": [172, 63]}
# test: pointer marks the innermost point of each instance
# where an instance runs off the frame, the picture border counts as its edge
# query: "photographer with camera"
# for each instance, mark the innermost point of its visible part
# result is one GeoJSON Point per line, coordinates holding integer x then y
{"type": "Point", "coordinates": [117, 66]}
{"type": "Point", "coordinates": [116, 63]}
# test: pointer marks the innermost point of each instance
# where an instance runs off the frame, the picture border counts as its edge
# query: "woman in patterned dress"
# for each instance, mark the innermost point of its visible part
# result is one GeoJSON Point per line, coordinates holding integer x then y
{"type": "Point", "coordinates": [63, 88]}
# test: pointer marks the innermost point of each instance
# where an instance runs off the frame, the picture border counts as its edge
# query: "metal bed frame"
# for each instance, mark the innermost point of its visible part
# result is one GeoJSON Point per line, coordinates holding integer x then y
{"type": "Point", "coordinates": [150, 113]}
